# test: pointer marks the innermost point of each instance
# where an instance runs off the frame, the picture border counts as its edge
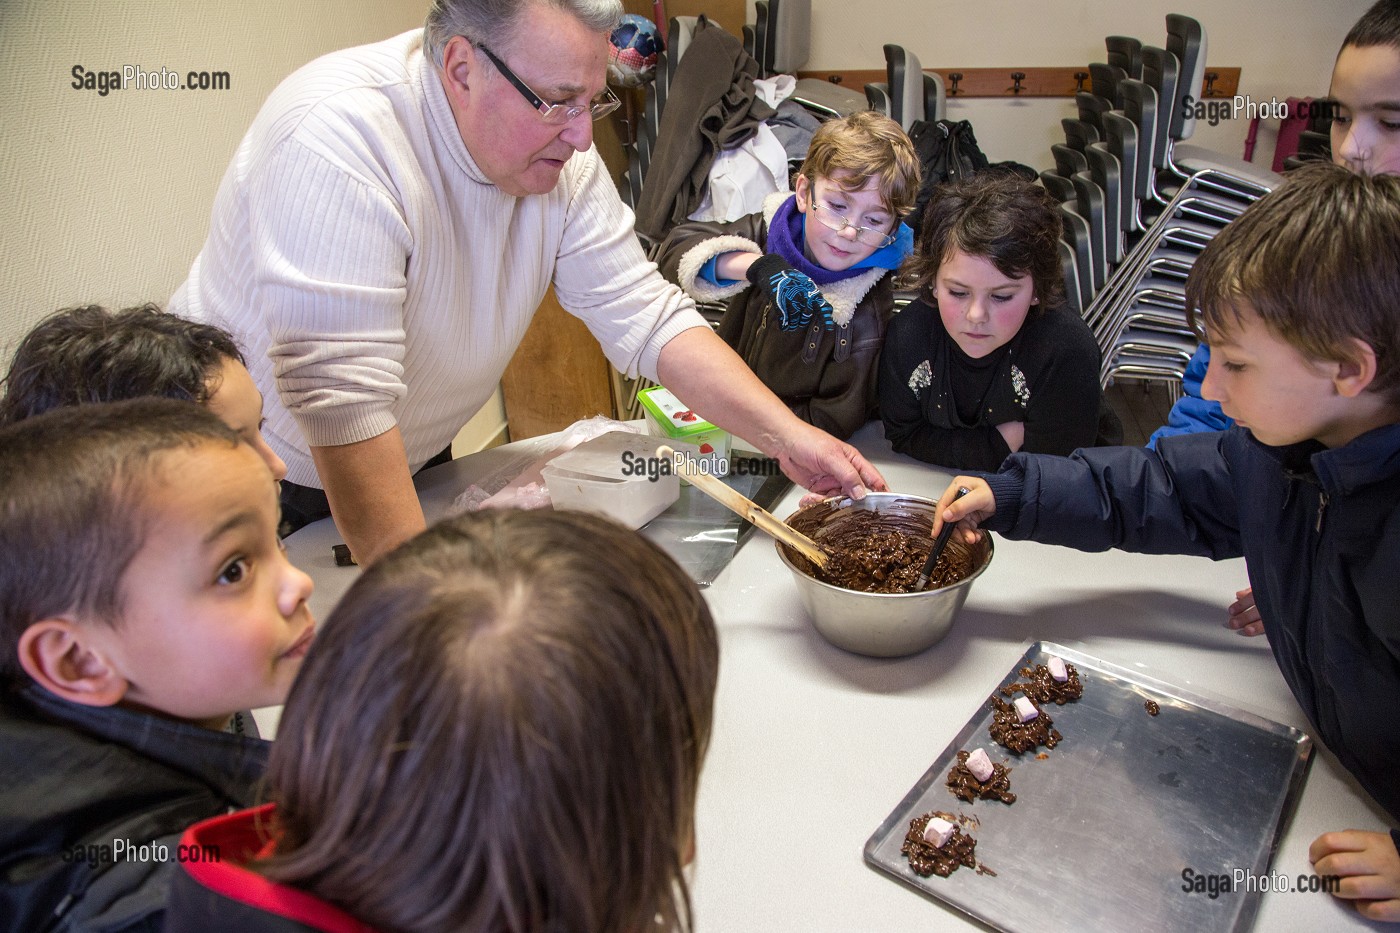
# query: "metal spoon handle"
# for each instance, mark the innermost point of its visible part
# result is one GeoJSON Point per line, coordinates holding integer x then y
{"type": "Point", "coordinates": [939, 543]}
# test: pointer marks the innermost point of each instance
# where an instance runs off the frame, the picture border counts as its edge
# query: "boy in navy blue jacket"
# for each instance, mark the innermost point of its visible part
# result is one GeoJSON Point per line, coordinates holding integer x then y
{"type": "Point", "coordinates": [1365, 85]}
{"type": "Point", "coordinates": [1301, 303]}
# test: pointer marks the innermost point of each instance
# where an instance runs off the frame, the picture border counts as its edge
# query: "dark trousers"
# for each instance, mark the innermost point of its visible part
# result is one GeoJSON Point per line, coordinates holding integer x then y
{"type": "Point", "coordinates": [302, 505]}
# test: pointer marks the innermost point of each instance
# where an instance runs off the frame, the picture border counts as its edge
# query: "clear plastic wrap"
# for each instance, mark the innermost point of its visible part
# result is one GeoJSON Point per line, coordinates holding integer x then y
{"type": "Point", "coordinates": [702, 535]}
{"type": "Point", "coordinates": [699, 533]}
{"type": "Point", "coordinates": [518, 483]}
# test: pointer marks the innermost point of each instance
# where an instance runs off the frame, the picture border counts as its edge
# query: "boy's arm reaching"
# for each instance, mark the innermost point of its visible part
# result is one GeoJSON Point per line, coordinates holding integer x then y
{"type": "Point", "coordinates": [1175, 501]}
{"type": "Point", "coordinates": [700, 256]}
{"type": "Point", "coordinates": [1369, 866]}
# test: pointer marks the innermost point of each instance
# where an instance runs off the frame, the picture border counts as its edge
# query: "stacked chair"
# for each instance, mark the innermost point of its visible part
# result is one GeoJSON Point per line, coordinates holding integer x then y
{"type": "Point", "coordinates": [907, 94]}
{"type": "Point", "coordinates": [1139, 204]}
{"type": "Point", "coordinates": [780, 40]}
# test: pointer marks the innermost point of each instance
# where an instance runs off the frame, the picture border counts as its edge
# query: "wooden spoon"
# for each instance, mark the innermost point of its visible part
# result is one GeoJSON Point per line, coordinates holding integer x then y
{"type": "Point", "coordinates": [745, 507]}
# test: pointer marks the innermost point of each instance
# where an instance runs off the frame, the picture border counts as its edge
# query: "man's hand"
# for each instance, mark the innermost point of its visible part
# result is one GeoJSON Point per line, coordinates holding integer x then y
{"type": "Point", "coordinates": [796, 296]}
{"type": "Point", "coordinates": [969, 511]}
{"type": "Point", "coordinates": [815, 460]}
{"type": "Point", "coordinates": [1244, 615]}
{"type": "Point", "coordinates": [1369, 867]}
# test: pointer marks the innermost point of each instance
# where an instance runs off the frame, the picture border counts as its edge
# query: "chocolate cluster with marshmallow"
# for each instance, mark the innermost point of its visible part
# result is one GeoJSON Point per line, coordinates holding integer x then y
{"type": "Point", "coordinates": [977, 776]}
{"type": "Point", "coordinates": [1057, 681]}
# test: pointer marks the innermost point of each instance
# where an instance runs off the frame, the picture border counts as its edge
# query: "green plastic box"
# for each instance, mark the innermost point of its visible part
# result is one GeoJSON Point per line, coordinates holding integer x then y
{"type": "Point", "coordinates": [667, 417]}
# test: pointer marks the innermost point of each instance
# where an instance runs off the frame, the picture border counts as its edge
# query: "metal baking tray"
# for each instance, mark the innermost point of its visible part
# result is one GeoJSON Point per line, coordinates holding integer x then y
{"type": "Point", "coordinates": [1106, 826]}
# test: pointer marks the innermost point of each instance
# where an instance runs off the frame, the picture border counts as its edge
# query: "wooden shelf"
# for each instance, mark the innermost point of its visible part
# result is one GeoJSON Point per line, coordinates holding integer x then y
{"type": "Point", "coordinates": [1038, 82]}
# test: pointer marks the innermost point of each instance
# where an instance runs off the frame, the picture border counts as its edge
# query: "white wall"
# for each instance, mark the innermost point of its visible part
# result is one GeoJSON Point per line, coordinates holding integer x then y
{"type": "Point", "coordinates": [1284, 47]}
{"type": "Point", "coordinates": [106, 199]}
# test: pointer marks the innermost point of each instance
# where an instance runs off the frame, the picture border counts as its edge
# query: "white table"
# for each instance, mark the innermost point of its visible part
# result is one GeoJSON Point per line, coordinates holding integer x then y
{"type": "Point", "coordinates": [813, 746]}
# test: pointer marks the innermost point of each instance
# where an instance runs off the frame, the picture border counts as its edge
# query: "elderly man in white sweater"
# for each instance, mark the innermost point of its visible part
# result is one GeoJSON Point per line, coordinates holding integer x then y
{"type": "Point", "coordinates": [391, 222]}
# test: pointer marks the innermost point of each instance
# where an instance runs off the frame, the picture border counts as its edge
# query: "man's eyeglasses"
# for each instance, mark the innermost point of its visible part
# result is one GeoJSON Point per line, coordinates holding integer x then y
{"type": "Point", "coordinates": [556, 114]}
{"type": "Point", "coordinates": [838, 222]}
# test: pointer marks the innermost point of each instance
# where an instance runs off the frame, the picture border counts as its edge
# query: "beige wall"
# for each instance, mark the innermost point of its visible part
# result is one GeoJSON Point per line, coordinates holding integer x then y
{"type": "Point", "coordinates": [1284, 47]}
{"type": "Point", "coordinates": [106, 199]}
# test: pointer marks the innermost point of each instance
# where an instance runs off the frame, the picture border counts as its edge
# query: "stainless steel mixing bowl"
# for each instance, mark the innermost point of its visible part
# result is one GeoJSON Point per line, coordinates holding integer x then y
{"type": "Point", "coordinates": [884, 625]}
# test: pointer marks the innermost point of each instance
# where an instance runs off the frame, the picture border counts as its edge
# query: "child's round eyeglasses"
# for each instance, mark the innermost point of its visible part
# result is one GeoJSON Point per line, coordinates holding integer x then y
{"type": "Point", "coordinates": [838, 222]}
{"type": "Point", "coordinates": [555, 114]}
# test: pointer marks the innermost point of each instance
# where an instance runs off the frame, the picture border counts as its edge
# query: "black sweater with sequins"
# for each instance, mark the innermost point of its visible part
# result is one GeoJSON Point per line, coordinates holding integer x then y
{"type": "Point", "coordinates": [942, 406]}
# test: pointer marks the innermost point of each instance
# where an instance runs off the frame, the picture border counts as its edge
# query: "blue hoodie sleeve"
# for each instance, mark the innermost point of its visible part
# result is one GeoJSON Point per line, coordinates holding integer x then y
{"type": "Point", "coordinates": [709, 273]}
{"type": "Point", "coordinates": [1192, 412]}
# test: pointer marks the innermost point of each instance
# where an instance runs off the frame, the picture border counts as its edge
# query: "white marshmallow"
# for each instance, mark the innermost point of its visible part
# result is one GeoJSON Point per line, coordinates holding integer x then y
{"type": "Point", "coordinates": [1057, 669]}
{"type": "Point", "coordinates": [938, 831]}
{"type": "Point", "coordinates": [980, 765]}
{"type": "Point", "coordinates": [1025, 709]}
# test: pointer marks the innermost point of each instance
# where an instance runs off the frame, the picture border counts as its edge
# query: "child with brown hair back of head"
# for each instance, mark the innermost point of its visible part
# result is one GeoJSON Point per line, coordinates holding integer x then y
{"type": "Point", "coordinates": [501, 728]}
{"type": "Point", "coordinates": [89, 354]}
{"type": "Point", "coordinates": [807, 279]}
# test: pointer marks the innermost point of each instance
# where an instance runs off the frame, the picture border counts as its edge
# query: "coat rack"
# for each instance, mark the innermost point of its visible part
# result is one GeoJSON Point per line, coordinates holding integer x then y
{"type": "Point", "coordinates": [1022, 82]}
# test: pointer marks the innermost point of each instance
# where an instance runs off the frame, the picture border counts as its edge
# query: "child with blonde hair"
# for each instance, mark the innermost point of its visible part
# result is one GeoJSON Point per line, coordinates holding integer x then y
{"type": "Point", "coordinates": [807, 279]}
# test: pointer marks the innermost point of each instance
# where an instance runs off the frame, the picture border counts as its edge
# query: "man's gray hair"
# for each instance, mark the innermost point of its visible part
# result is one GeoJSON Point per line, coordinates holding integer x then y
{"type": "Point", "coordinates": [483, 20]}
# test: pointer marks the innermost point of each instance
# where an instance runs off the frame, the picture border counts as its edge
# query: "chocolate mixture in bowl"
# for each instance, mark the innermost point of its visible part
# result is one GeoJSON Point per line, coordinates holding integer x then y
{"type": "Point", "coordinates": [877, 552]}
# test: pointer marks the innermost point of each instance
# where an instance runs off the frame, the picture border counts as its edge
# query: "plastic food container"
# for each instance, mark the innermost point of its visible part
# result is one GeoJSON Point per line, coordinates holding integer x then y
{"type": "Point", "coordinates": [666, 417]}
{"type": "Point", "coordinates": [617, 474]}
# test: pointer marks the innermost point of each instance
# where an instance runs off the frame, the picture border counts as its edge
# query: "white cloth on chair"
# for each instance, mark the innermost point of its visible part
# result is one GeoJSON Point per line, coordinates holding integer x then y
{"type": "Point", "coordinates": [740, 178]}
{"type": "Point", "coordinates": [776, 89]}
